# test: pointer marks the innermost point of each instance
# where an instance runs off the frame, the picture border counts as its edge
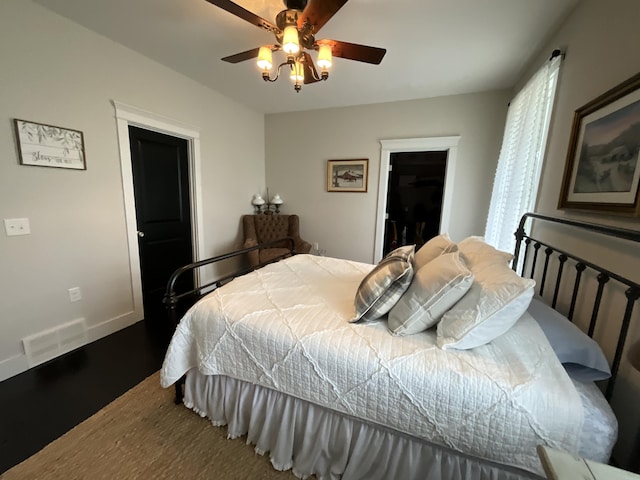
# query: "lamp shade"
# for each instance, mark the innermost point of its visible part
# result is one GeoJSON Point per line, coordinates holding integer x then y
{"type": "Point", "coordinates": [297, 74]}
{"type": "Point", "coordinates": [257, 200]}
{"type": "Point", "coordinates": [324, 56]}
{"type": "Point", "coordinates": [265, 59]}
{"type": "Point", "coordinates": [276, 200]}
{"type": "Point", "coordinates": [290, 42]}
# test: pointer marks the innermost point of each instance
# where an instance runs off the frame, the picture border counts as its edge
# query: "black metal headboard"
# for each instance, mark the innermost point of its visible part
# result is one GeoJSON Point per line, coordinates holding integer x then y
{"type": "Point", "coordinates": [603, 275]}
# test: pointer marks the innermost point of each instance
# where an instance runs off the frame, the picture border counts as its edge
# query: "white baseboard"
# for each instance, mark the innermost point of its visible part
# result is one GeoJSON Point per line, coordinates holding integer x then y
{"type": "Point", "coordinates": [17, 364]}
{"type": "Point", "coordinates": [12, 366]}
{"type": "Point", "coordinates": [96, 332]}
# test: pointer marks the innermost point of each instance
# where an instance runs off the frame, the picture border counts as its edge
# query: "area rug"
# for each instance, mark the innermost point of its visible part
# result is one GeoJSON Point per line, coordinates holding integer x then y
{"type": "Point", "coordinates": [144, 435]}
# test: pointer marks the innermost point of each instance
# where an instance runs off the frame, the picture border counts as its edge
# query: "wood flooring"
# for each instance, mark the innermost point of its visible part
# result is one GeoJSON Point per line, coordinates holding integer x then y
{"type": "Point", "coordinates": [41, 404]}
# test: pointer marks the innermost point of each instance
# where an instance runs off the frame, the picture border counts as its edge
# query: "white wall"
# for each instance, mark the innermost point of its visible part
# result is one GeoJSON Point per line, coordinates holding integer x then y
{"type": "Point", "coordinates": [56, 72]}
{"type": "Point", "coordinates": [601, 41]}
{"type": "Point", "coordinates": [63, 74]}
{"type": "Point", "coordinates": [298, 146]}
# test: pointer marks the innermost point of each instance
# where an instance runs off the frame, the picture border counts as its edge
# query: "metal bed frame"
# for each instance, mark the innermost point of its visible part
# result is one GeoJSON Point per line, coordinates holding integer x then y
{"type": "Point", "coordinates": [172, 297]}
{"type": "Point", "coordinates": [603, 276]}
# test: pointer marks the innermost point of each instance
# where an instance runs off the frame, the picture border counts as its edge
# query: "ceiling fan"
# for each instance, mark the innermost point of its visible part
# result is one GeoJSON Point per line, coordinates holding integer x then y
{"type": "Point", "coordinates": [295, 31]}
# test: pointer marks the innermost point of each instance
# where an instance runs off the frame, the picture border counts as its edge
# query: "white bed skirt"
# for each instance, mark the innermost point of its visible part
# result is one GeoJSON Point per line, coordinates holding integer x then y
{"type": "Point", "coordinates": [312, 440]}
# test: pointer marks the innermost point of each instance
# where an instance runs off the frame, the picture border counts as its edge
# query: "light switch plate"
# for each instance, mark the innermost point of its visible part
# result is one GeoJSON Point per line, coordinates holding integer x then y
{"type": "Point", "coordinates": [17, 226]}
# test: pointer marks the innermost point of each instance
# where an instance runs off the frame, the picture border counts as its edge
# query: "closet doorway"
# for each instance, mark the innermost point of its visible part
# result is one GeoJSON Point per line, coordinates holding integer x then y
{"type": "Point", "coordinates": [162, 190]}
{"type": "Point", "coordinates": [414, 198]}
{"type": "Point", "coordinates": [130, 116]}
{"type": "Point", "coordinates": [431, 147]}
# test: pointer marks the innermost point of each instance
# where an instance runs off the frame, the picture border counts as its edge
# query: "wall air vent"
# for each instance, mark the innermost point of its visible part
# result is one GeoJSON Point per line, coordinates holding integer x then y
{"type": "Point", "coordinates": [49, 344]}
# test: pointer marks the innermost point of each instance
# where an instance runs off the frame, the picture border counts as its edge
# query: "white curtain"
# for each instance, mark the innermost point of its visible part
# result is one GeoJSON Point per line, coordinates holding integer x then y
{"type": "Point", "coordinates": [518, 174]}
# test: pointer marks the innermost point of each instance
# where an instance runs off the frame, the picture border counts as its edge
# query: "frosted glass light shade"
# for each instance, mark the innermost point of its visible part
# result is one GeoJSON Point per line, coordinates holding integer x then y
{"type": "Point", "coordinates": [257, 200]}
{"type": "Point", "coordinates": [297, 75]}
{"type": "Point", "coordinates": [290, 42]}
{"type": "Point", "coordinates": [324, 57]}
{"type": "Point", "coordinates": [265, 59]}
{"type": "Point", "coordinates": [276, 200]}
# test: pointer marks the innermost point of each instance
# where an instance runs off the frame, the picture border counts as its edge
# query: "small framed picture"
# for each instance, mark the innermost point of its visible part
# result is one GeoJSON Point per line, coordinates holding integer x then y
{"type": "Point", "coordinates": [347, 175]}
{"type": "Point", "coordinates": [603, 159]}
{"type": "Point", "coordinates": [49, 146]}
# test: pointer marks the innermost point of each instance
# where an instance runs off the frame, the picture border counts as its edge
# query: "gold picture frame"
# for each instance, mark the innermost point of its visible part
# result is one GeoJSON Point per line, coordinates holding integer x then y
{"type": "Point", "coordinates": [347, 175]}
{"type": "Point", "coordinates": [602, 169]}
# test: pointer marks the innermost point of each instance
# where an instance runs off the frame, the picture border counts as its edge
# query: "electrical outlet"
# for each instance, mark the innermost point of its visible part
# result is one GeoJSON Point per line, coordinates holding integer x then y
{"type": "Point", "coordinates": [75, 294]}
{"type": "Point", "coordinates": [17, 226]}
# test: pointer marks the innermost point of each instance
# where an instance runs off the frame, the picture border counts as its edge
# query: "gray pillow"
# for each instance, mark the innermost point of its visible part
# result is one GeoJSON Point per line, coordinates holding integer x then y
{"type": "Point", "coordinates": [384, 285]}
{"type": "Point", "coordinates": [580, 355]}
{"type": "Point", "coordinates": [435, 288]}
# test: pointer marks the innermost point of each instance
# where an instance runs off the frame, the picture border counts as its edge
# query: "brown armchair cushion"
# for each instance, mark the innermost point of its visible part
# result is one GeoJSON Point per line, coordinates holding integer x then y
{"type": "Point", "coordinates": [266, 228]}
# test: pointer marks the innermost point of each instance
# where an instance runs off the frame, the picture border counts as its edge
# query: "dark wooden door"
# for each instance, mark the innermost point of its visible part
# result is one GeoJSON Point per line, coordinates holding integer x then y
{"type": "Point", "coordinates": [163, 211]}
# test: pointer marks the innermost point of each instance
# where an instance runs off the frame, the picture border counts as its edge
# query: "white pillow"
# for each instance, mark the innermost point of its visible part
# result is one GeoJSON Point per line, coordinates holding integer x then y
{"type": "Point", "coordinates": [475, 251]}
{"type": "Point", "coordinates": [493, 304]}
{"type": "Point", "coordinates": [435, 288]}
{"type": "Point", "coordinates": [432, 249]}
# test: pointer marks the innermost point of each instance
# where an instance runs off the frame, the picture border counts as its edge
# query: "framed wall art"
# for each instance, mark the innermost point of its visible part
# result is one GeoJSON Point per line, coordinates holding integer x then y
{"type": "Point", "coordinates": [49, 146]}
{"type": "Point", "coordinates": [347, 175]}
{"type": "Point", "coordinates": [603, 159]}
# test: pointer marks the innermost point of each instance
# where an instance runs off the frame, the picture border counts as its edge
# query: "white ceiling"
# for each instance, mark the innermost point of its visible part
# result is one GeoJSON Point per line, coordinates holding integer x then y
{"type": "Point", "coordinates": [434, 47]}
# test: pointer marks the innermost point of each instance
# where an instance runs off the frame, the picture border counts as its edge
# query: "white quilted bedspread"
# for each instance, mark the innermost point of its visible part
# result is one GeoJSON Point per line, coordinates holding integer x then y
{"type": "Point", "coordinates": [286, 327]}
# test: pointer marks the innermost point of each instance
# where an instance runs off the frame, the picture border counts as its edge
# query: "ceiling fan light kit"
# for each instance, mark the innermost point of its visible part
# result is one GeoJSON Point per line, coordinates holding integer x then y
{"type": "Point", "coordinates": [295, 31]}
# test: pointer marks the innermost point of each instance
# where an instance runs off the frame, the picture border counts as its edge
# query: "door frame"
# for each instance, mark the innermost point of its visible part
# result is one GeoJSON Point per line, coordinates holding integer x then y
{"type": "Point", "coordinates": [425, 144]}
{"type": "Point", "coordinates": [127, 115]}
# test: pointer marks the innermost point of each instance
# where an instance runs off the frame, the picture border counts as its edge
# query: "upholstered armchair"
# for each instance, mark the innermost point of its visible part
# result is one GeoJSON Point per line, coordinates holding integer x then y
{"type": "Point", "coordinates": [266, 228]}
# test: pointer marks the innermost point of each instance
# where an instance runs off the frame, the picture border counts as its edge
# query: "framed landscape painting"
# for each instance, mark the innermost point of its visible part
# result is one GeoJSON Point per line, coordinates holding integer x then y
{"type": "Point", "coordinates": [347, 175]}
{"type": "Point", "coordinates": [603, 160]}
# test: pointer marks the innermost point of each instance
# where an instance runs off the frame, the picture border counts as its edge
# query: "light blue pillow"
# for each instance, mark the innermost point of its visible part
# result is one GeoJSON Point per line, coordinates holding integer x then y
{"type": "Point", "coordinates": [580, 355]}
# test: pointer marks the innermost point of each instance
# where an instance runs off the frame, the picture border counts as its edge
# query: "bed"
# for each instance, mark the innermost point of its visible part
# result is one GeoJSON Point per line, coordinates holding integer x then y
{"type": "Point", "coordinates": [329, 387]}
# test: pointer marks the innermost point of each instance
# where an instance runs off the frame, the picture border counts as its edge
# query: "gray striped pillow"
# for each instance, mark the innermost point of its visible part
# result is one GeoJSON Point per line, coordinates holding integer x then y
{"type": "Point", "coordinates": [381, 289]}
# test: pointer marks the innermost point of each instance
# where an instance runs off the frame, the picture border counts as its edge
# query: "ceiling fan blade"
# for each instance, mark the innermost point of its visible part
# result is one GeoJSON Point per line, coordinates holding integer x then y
{"type": "Point", "coordinates": [353, 51]}
{"type": "Point", "coordinates": [244, 14]}
{"type": "Point", "coordinates": [309, 69]}
{"type": "Point", "coordinates": [242, 56]}
{"type": "Point", "coordinates": [248, 55]}
{"type": "Point", "coordinates": [319, 12]}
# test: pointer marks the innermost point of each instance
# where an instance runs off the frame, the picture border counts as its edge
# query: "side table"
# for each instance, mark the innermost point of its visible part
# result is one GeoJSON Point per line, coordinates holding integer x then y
{"type": "Point", "coordinates": [564, 466]}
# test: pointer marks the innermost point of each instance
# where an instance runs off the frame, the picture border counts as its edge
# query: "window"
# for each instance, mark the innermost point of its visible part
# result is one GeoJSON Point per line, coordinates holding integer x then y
{"type": "Point", "coordinates": [520, 162]}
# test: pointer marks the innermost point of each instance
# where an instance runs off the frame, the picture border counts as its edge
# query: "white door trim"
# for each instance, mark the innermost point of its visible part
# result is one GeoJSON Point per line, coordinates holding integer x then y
{"type": "Point", "coordinates": [127, 115]}
{"type": "Point", "coordinates": [448, 144]}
